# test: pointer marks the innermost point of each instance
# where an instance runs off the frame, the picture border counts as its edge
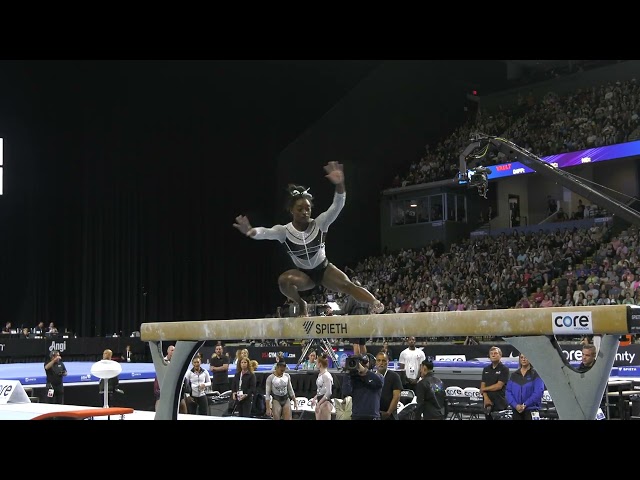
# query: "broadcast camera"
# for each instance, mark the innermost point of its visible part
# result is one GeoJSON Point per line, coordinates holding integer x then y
{"type": "Point", "coordinates": [352, 361]}
{"type": "Point", "coordinates": [479, 178]}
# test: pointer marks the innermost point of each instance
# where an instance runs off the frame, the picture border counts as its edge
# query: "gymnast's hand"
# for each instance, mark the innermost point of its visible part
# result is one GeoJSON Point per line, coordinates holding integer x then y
{"type": "Point", "coordinates": [242, 224]}
{"type": "Point", "coordinates": [335, 172]}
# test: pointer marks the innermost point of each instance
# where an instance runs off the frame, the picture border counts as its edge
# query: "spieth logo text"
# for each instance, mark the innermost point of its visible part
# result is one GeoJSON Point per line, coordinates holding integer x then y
{"type": "Point", "coordinates": [325, 329]}
{"type": "Point", "coordinates": [572, 322]}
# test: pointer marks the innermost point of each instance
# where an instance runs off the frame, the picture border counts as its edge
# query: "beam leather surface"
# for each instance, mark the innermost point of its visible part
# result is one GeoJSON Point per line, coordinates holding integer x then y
{"type": "Point", "coordinates": [611, 319]}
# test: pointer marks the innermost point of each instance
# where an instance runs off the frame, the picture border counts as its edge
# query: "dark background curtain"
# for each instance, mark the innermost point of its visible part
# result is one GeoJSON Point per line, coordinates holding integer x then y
{"type": "Point", "coordinates": [122, 180]}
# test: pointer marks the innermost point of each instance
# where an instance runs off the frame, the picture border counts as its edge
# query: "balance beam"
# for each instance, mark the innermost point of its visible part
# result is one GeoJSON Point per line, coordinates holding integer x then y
{"type": "Point", "coordinates": [612, 319]}
{"type": "Point", "coordinates": [528, 328]}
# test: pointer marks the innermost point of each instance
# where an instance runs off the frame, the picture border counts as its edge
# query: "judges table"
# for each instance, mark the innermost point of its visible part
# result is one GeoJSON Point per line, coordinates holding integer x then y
{"type": "Point", "coordinates": [14, 349]}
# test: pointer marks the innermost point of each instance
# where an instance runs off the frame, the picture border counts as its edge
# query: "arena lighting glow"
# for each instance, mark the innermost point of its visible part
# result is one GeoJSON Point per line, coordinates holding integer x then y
{"type": "Point", "coordinates": [570, 159]}
{"type": "Point", "coordinates": [413, 204]}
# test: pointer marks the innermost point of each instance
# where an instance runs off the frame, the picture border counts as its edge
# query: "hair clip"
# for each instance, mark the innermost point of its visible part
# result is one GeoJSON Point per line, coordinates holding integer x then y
{"type": "Point", "coordinates": [297, 192]}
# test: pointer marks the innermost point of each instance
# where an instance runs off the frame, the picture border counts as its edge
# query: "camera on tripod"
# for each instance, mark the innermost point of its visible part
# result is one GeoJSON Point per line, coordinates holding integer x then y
{"type": "Point", "coordinates": [352, 361]}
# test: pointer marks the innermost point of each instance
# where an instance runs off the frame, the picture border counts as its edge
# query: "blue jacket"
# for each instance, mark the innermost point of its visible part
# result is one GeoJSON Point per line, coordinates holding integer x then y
{"type": "Point", "coordinates": [365, 393]}
{"type": "Point", "coordinates": [527, 390]}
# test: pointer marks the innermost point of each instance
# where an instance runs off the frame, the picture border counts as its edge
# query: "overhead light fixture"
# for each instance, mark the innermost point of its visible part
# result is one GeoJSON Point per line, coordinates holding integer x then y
{"type": "Point", "coordinates": [413, 204]}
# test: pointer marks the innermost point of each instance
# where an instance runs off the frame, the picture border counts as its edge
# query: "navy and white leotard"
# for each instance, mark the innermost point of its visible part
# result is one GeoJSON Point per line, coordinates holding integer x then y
{"type": "Point", "coordinates": [306, 249]}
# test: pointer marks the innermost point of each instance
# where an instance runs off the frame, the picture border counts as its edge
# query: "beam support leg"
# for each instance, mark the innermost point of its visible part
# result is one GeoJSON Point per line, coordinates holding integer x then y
{"type": "Point", "coordinates": [170, 376]}
{"type": "Point", "coordinates": [576, 396]}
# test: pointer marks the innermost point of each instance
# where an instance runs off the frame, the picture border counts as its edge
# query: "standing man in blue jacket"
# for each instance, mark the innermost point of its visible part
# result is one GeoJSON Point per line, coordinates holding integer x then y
{"type": "Point", "coordinates": [524, 390]}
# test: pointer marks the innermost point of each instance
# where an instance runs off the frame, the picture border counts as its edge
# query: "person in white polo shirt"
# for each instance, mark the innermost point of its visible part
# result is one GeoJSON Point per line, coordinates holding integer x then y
{"type": "Point", "coordinates": [410, 360]}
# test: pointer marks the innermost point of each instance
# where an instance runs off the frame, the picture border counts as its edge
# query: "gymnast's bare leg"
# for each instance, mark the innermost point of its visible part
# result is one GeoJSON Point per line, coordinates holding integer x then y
{"type": "Point", "coordinates": [293, 281]}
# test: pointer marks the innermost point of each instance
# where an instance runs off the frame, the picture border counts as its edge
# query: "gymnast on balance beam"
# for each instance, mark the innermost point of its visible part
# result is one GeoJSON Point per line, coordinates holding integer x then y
{"type": "Point", "coordinates": [304, 239]}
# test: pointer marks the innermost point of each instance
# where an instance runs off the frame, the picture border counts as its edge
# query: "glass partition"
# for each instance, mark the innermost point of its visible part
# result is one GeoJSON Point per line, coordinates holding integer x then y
{"type": "Point", "coordinates": [429, 208]}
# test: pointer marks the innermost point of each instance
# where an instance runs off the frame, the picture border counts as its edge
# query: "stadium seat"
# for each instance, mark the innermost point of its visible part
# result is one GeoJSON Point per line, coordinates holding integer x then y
{"type": "Point", "coordinates": [548, 409]}
{"type": "Point", "coordinates": [457, 401]}
{"type": "Point", "coordinates": [476, 402]}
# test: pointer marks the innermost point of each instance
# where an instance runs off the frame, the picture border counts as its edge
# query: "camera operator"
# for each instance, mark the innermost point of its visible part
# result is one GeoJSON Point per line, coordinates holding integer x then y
{"type": "Point", "coordinates": [364, 386]}
{"type": "Point", "coordinates": [55, 370]}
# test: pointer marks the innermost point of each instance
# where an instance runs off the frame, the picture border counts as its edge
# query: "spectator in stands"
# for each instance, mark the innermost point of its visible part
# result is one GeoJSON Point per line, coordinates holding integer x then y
{"type": "Point", "coordinates": [579, 296]}
{"type": "Point", "coordinates": [538, 296]}
{"type": "Point", "coordinates": [546, 302]}
{"type": "Point", "coordinates": [588, 357]}
{"type": "Point", "coordinates": [391, 389]}
{"type": "Point", "coordinates": [55, 371]}
{"type": "Point", "coordinates": [385, 348]}
{"type": "Point", "coordinates": [310, 269]}
{"type": "Point", "coordinates": [430, 394]}
{"type": "Point", "coordinates": [628, 300]}
{"type": "Point", "coordinates": [7, 328]}
{"type": "Point", "coordinates": [552, 205]}
{"type": "Point", "coordinates": [593, 280]}
{"type": "Point", "coordinates": [409, 361]}
{"type": "Point", "coordinates": [170, 350]}
{"type": "Point", "coordinates": [39, 329]}
{"type": "Point", "coordinates": [568, 301]}
{"type": "Point", "coordinates": [128, 354]}
{"type": "Point", "coordinates": [52, 330]}
{"type": "Point", "coordinates": [603, 299]}
{"type": "Point", "coordinates": [561, 216]}
{"type": "Point", "coordinates": [241, 353]}
{"type": "Point", "coordinates": [244, 388]}
{"type": "Point", "coordinates": [593, 291]}
{"type": "Point", "coordinates": [494, 383]}
{"type": "Point", "coordinates": [580, 210]}
{"type": "Point", "coordinates": [524, 390]}
{"type": "Point", "coordinates": [279, 393]}
{"type": "Point", "coordinates": [310, 363]}
{"type": "Point", "coordinates": [219, 367]}
{"type": "Point", "coordinates": [197, 381]}
{"type": "Point", "coordinates": [364, 386]}
{"type": "Point", "coordinates": [324, 392]}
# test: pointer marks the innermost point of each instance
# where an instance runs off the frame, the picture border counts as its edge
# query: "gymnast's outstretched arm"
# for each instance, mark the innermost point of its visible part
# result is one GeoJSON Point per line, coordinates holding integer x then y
{"type": "Point", "coordinates": [277, 232]}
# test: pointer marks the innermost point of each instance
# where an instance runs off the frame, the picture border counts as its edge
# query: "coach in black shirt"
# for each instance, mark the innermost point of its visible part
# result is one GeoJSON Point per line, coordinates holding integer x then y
{"type": "Point", "coordinates": [219, 368]}
{"type": "Point", "coordinates": [55, 370]}
{"type": "Point", "coordinates": [390, 389]}
{"type": "Point", "coordinates": [494, 384]}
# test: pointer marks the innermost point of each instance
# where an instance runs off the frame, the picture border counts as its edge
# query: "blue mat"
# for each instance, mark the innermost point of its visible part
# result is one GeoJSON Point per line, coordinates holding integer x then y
{"type": "Point", "coordinates": [32, 374]}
